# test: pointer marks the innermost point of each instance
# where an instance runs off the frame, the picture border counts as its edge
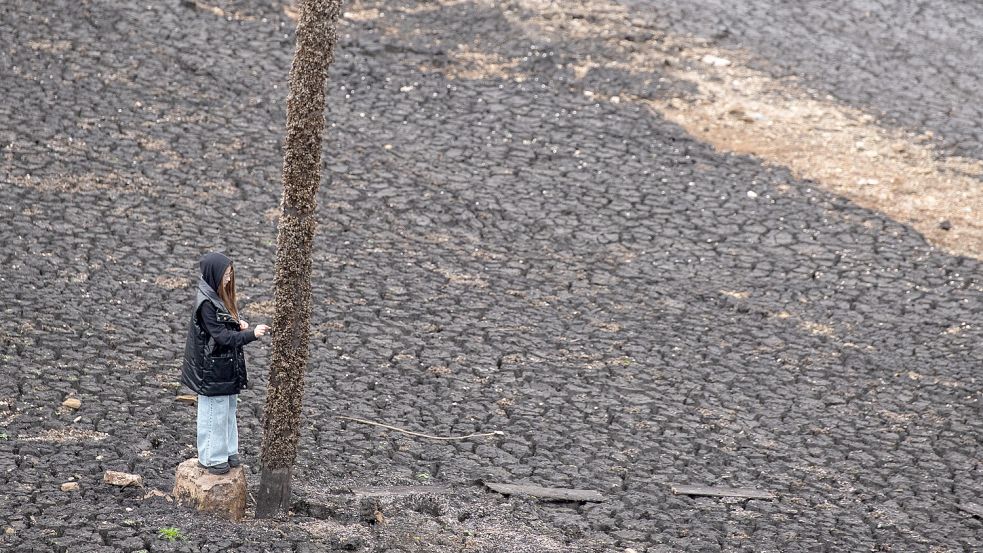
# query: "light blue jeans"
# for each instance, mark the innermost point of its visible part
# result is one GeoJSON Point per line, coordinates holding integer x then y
{"type": "Point", "coordinates": [218, 437]}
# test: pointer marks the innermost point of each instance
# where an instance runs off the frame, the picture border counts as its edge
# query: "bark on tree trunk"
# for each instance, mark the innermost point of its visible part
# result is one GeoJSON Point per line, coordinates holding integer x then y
{"type": "Point", "coordinates": [316, 37]}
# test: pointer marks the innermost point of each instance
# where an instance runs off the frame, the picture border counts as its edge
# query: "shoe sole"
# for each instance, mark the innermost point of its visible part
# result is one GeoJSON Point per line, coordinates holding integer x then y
{"type": "Point", "coordinates": [216, 472]}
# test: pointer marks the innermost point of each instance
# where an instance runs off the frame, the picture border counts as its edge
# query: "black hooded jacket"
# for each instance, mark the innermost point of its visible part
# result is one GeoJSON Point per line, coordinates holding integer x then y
{"type": "Point", "coordinates": [214, 364]}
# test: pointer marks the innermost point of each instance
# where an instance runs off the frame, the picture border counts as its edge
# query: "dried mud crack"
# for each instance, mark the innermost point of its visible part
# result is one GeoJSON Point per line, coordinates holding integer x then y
{"type": "Point", "coordinates": [626, 238]}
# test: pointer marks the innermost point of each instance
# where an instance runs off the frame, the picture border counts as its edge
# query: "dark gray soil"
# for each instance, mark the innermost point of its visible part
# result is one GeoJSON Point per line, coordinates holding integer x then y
{"type": "Point", "coordinates": [584, 277]}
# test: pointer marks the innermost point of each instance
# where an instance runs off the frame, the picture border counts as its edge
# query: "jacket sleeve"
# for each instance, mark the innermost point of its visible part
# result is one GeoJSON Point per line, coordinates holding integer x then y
{"type": "Point", "coordinates": [222, 334]}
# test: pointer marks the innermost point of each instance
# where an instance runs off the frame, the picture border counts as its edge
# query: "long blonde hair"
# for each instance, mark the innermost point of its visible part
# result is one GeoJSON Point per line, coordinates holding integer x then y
{"type": "Point", "coordinates": [227, 293]}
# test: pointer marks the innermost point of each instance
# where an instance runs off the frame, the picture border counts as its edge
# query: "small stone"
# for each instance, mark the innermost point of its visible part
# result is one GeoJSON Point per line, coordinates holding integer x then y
{"type": "Point", "coordinates": [70, 487]}
{"type": "Point", "coordinates": [715, 61]}
{"type": "Point", "coordinates": [616, 99]}
{"type": "Point", "coordinates": [72, 403]}
{"type": "Point", "coordinates": [9, 531]}
{"type": "Point", "coordinates": [123, 479]}
{"type": "Point", "coordinates": [186, 398]}
{"type": "Point", "coordinates": [752, 194]}
{"type": "Point", "coordinates": [155, 493]}
{"type": "Point", "coordinates": [945, 225]}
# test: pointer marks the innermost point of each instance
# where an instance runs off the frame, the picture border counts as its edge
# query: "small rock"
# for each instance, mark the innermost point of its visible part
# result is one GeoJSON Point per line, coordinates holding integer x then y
{"type": "Point", "coordinates": [945, 225]}
{"type": "Point", "coordinates": [157, 493]}
{"type": "Point", "coordinates": [752, 194]}
{"type": "Point", "coordinates": [186, 398]}
{"type": "Point", "coordinates": [616, 99]}
{"type": "Point", "coordinates": [122, 479]}
{"type": "Point", "coordinates": [865, 182]}
{"type": "Point", "coordinates": [9, 531]}
{"type": "Point", "coordinates": [70, 487]}
{"type": "Point", "coordinates": [715, 61]}
{"type": "Point", "coordinates": [72, 403]}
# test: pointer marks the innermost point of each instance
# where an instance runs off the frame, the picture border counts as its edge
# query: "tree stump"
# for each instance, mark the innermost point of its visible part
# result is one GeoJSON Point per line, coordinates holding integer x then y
{"type": "Point", "coordinates": [222, 494]}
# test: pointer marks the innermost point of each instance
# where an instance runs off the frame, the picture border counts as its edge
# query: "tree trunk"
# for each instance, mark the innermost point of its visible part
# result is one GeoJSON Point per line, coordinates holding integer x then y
{"type": "Point", "coordinates": [316, 37]}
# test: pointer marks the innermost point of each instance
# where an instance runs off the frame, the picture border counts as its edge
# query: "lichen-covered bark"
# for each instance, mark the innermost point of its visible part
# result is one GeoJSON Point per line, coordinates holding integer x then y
{"type": "Point", "coordinates": [316, 37]}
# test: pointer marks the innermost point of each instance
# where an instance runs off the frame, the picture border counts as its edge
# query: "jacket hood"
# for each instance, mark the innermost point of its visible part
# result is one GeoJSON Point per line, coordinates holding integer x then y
{"type": "Point", "coordinates": [213, 266]}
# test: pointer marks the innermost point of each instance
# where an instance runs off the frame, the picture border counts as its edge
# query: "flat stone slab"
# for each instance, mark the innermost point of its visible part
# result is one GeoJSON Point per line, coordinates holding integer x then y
{"type": "Point", "coordinates": [561, 494]}
{"type": "Point", "coordinates": [747, 493]}
{"type": "Point", "coordinates": [221, 494]}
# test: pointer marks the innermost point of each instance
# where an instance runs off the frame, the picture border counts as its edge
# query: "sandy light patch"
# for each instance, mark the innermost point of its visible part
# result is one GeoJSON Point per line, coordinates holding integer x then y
{"type": "Point", "coordinates": [172, 282]}
{"type": "Point", "coordinates": [62, 436]}
{"type": "Point", "coordinates": [744, 111]}
{"type": "Point", "coordinates": [87, 182]}
{"type": "Point", "coordinates": [50, 46]}
{"type": "Point", "coordinates": [843, 149]}
{"type": "Point", "coordinates": [219, 12]}
{"type": "Point", "coordinates": [469, 64]}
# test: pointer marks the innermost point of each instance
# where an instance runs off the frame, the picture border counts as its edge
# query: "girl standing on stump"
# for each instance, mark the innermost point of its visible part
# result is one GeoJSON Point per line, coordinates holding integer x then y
{"type": "Point", "coordinates": [214, 365]}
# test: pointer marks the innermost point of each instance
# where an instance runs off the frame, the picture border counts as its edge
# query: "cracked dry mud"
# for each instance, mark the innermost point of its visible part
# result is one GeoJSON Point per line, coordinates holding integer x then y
{"type": "Point", "coordinates": [498, 250]}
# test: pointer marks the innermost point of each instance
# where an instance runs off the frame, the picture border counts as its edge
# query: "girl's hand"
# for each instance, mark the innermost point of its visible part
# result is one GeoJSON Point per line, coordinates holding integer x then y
{"type": "Point", "coordinates": [261, 330]}
{"type": "Point", "coordinates": [243, 325]}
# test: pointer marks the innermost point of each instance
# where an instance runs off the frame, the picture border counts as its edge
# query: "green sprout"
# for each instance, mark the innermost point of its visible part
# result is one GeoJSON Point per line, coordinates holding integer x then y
{"type": "Point", "coordinates": [171, 534]}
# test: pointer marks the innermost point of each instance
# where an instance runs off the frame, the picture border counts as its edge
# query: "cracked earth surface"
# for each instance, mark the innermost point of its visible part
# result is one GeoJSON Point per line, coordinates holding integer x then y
{"type": "Point", "coordinates": [499, 250]}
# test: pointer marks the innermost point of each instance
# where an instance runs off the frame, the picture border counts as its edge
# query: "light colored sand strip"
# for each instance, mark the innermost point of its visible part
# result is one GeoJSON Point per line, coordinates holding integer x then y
{"type": "Point", "coordinates": [740, 110]}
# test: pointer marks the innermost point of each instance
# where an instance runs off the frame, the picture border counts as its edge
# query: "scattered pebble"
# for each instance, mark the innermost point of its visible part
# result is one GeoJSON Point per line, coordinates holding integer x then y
{"type": "Point", "coordinates": [122, 479]}
{"type": "Point", "coordinates": [752, 194]}
{"type": "Point", "coordinates": [715, 61]}
{"type": "Point", "coordinates": [70, 487]}
{"type": "Point", "coordinates": [72, 403]}
{"type": "Point", "coordinates": [945, 225]}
